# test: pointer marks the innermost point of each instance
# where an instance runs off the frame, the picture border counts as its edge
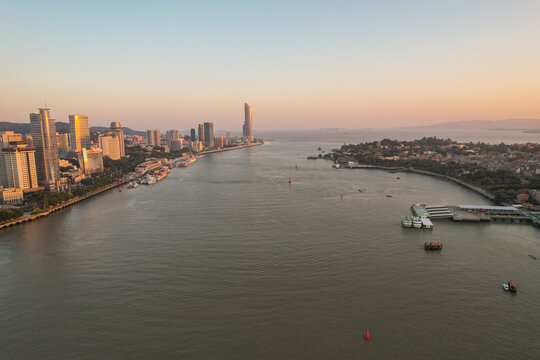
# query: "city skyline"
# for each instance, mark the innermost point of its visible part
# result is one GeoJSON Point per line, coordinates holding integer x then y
{"type": "Point", "coordinates": [355, 64]}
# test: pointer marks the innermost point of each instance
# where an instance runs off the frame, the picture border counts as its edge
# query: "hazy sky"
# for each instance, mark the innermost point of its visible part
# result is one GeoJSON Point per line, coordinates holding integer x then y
{"type": "Point", "coordinates": [299, 64]}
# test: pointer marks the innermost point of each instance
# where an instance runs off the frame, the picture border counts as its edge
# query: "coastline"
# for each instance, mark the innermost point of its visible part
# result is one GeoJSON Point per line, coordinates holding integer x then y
{"type": "Point", "coordinates": [32, 217]}
{"type": "Point", "coordinates": [474, 188]}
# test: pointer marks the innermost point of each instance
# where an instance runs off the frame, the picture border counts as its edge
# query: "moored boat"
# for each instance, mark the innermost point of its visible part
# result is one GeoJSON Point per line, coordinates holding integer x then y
{"type": "Point", "coordinates": [406, 222]}
{"type": "Point", "coordinates": [512, 286]}
{"type": "Point", "coordinates": [426, 245]}
{"type": "Point", "coordinates": [416, 222]}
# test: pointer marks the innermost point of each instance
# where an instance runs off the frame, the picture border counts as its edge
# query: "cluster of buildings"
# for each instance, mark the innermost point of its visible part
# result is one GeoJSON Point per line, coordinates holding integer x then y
{"type": "Point", "coordinates": [197, 140]}
{"type": "Point", "coordinates": [520, 159]}
{"type": "Point", "coordinates": [32, 162]}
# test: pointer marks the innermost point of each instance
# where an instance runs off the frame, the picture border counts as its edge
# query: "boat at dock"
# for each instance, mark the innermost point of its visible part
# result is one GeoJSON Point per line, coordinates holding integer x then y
{"type": "Point", "coordinates": [416, 222]}
{"type": "Point", "coordinates": [406, 222]}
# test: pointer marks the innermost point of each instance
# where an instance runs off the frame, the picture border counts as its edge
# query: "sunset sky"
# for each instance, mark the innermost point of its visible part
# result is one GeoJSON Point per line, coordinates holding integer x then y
{"type": "Point", "coordinates": [299, 64]}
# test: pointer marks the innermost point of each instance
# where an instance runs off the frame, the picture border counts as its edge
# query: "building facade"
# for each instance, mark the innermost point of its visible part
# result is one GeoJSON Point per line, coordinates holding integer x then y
{"type": "Point", "coordinates": [91, 160]}
{"type": "Point", "coordinates": [248, 125]}
{"type": "Point", "coordinates": [153, 137]}
{"type": "Point", "coordinates": [110, 146]}
{"type": "Point", "coordinates": [62, 142]}
{"type": "Point", "coordinates": [18, 166]}
{"type": "Point", "coordinates": [209, 134]}
{"type": "Point", "coordinates": [193, 136]}
{"type": "Point", "coordinates": [79, 133]}
{"type": "Point", "coordinates": [8, 136]}
{"type": "Point", "coordinates": [172, 135]}
{"type": "Point", "coordinates": [117, 132]}
{"type": "Point", "coordinates": [12, 196]}
{"type": "Point", "coordinates": [44, 140]}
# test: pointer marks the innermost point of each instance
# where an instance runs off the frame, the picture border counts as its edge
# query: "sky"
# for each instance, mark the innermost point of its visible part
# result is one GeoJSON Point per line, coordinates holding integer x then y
{"type": "Point", "coordinates": [299, 64]}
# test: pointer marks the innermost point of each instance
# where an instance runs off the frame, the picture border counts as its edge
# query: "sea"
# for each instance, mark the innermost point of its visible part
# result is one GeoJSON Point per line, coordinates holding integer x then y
{"type": "Point", "coordinates": [225, 259]}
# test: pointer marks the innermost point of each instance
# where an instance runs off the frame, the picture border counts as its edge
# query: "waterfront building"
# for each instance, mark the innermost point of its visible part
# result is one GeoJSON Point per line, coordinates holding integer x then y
{"type": "Point", "coordinates": [196, 146]}
{"type": "Point", "coordinates": [248, 126]}
{"type": "Point", "coordinates": [153, 137]}
{"type": "Point", "coordinates": [209, 134]}
{"type": "Point", "coordinates": [177, 144]}
{"type": "Point", "coordinates": [172, 135]}
{"type": "Point", "coordinates": [12, 196]}
{"type": "Point", "coordinates": [193, 137]}
{"type": "Point", "coordinates": [117, 132]}
{"type": "Point", "coordinates": [229, 134]}
{"type": "Point", "coordinates": [110, 146]}
{"type": "Point", "coordinates": [201, 132]}
{"type": "Point", "coordinates": [79, 132]}
{"type": "Point", "coordinates": [44, 139]}
{"type": "Point", "coordinates": [148, 166]}
{"type": "Point", "coordinates": [18, 166]}
{"type": "Point", "coordinates": [90, 160]}
{"type": "Point", "coordinates": [8, 136]}
{"type": "Point", "coordinates": [62, 142]}
{"type": "Point", "coordinates": [219, 141]}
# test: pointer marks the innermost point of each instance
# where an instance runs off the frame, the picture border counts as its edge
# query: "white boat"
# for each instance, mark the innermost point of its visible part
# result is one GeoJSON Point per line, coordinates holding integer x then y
{"type": "Point", "coordinates": [416, 222]}
{"type": "Point", "coordinates": [506, 287]}
{"type": "Point", "coordinates": [406, 222]}
{"type": "Point", "coordinates": [151, 180]}
{"type": "Point", "coordinates": [134, 185]}
{"type": "Point", "coordinates": [337, 165]}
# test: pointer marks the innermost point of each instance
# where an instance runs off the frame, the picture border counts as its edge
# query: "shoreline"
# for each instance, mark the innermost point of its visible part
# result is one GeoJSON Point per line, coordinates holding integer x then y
{"type": "Point", "coordinates": [474, 188]}
{"type": "Point", "coordinates": [50, 211]}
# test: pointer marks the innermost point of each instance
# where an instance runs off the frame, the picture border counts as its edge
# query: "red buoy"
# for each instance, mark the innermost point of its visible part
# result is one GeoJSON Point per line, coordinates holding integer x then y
{"type": "Point", "coordinates": [367, 335]}
{"type": "Point", "coordinates": [290, 181]}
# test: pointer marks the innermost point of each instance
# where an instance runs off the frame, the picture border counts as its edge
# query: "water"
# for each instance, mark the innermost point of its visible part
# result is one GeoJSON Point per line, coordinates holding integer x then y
{"type": "Point", "coordinates": [226, 260]}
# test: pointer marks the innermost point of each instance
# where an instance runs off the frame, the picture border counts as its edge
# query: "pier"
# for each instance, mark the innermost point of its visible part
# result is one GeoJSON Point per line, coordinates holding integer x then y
{"type": "Point", "coordinates": [475, 213]}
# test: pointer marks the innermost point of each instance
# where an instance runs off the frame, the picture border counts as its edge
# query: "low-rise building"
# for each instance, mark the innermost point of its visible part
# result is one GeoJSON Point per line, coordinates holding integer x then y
{"type": "Point", "coordinates": [12, 196]}
{"type": "Point", "coordinates": [90, 161]}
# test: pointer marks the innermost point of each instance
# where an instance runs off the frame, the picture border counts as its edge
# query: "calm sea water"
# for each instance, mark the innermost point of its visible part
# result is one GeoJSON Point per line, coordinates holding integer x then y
{"type": "Point", "coordinates": [226, 260]}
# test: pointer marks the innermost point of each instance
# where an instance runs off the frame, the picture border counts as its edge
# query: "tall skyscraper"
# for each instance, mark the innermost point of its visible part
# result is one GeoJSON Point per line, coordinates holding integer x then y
{"type": "Point", "coordinates": [248, 127]}
{"type": "Point", "coordinates": [201, 133]}
{"type": "Point", "coordinates": [117, 132]}
{"type": "Point", "coordinates": [18, 168]}
{"type": "Point", "coordinates": [79, 132]}
{"type": "Point", "coordinates": [43, 130]}
{"type": "Point", "coordinates": [209, 134]}
{"type": "Point", "coordinates": [110, 146]}
{"type": "Point", "coordinates": [153, 137]}
{"type": "Point", "coordinates": [193, 136]}
{"type": "Point", "coordinates": [172, 135]}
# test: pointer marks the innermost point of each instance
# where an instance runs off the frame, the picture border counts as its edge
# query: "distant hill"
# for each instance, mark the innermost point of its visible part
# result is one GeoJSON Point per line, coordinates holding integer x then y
{"type": "Point", "coordinates": [508, 124]}
{"type": "Point", "coordinates": [61, 127]}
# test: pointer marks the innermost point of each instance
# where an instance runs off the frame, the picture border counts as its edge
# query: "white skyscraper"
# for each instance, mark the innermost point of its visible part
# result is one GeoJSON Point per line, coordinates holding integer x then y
{"type": "Point", "coordinates": [248, 127]}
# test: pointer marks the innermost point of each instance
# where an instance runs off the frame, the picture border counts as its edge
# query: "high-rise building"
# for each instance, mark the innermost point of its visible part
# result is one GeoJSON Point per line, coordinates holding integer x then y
{"type": "Point", "coordinates": [62, 142]}
{"type": "Point", "coordinates": [44, 138]}
{"type": "Point", "coordinates": [79, 132]}
{"type": "Point", "coordinates": [110, 146]}
{"type": "Point", "coordinates": [193, 136]}
{"type": "Point", "coordinates": [117, 132]}
{"type": "Point", "coordinates": [91, 160]}
{"type": "Point", "coordinates": [219, 141]}
{"type": "Point", "coordinates": [172, 135]}
{"type": "Point", "coordinates": [229, 134]}
{"type": "Point", "coordinates": [176, 144]}
{"type": "Point", "coordinates": [201, 133]}
{"type": "Point", "coordinates": [18, 166]}
{"type": "Point", "coordinates": [153, 137]}
{"type": "Point", "coordinates": [248, 126]}
{"type": "Point", "coordinates": [209, 134]}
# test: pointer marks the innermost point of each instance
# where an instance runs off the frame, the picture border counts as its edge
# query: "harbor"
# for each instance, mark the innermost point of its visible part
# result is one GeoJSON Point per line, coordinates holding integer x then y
{"type": "Point", "coordinates": [474, 213]}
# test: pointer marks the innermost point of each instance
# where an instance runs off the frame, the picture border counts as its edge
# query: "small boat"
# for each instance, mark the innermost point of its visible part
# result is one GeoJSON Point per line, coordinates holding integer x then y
{"type": "Point", "coordinates": [433, 245]}
{"type": "Point", "coordinates": [512, 286]}
{"type": "Point", "coordinates": [397, 178]}
{"type": "Point", "coordinates": [388, 195]}
{"type": "Point", "coordinates": [532, 257]}
{"type": "Point", "coordinates": [406, 222]}
{"type": "Point", "coordinates": [416, 222]}
{"type": "Point", "coordinates": [319, 148]}
{"type": "Point", "coordinates": [426, 245]}
{"type": "Point", "coordinates": [439, 245]}
{"type": "Point", "coordinates": [506, 287]}
{"type": "Point", "coordinates": [312, 157]}
{"type": "Point", "coordinates": [336, 165]}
